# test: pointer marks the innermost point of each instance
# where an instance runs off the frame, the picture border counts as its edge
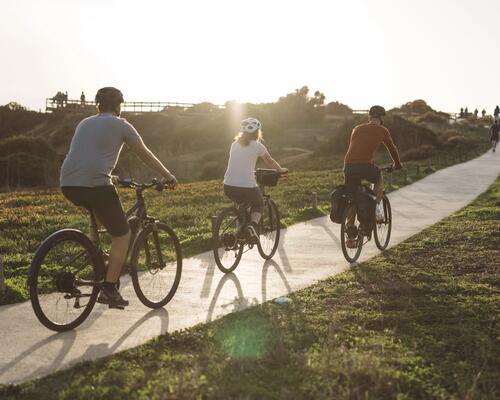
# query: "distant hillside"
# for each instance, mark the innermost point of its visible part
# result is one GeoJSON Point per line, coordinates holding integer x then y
{"type": "Point", "coordinates": [299, 129]}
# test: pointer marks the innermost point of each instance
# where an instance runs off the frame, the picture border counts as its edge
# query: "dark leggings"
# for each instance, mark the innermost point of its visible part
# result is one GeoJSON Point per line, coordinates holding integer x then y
{"type": "Point", "coordinates": [242, 195]}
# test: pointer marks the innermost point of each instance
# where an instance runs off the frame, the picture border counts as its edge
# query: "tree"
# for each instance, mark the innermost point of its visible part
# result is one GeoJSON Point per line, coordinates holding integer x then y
{"type": "Point", "coordinates": [299, 108]}
{"type": "Point", "coordinates": [318, 99]}
{"type": "Point", "coordinates": [416, 107]}
{"type": "Point", "coordinates": [337, 108]}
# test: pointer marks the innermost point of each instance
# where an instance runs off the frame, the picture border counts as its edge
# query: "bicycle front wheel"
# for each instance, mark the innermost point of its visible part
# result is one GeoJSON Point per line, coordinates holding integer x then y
{"type": "Point", "coordinates": [269, 228]}
{"type": "Point", "coordinates": [351, 237]}
{"type": "Point", "coordinates": [382, 230]}
{"type": "Point", "coordinates": [64, 280]}
{"type": "Point", "coordinates": [156, 265]}
{"type": "Point", "coordinates": [227, 247]}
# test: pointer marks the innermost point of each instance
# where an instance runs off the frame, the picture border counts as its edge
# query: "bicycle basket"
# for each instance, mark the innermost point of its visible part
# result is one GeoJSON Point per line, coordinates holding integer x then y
{"type": "Point", "coordinates": [267, 177]}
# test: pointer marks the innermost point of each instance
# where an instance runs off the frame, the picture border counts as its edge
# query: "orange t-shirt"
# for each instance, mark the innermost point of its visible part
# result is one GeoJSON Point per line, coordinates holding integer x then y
{"type": "Point", "coordinates": [365, 139]}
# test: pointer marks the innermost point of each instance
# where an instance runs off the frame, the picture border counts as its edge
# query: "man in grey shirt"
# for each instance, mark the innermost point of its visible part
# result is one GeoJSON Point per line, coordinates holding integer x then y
{"type": "Point", "coordinates": [87, 182]}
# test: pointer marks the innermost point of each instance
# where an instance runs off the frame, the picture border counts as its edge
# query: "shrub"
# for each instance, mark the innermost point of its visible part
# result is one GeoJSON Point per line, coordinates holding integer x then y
{"type": "Point", "coordinates": [461, 142]}
{"type": "Point", "coordinates": [336, 108]}
{"type": "Point", "coordinates": [419, 153]}
{"type": "Point", "coordinates": [432, 117]}
{"type": "Point", "coordinates": [416, 107]}
{"type": "Point", "coordinates": [27, 161]}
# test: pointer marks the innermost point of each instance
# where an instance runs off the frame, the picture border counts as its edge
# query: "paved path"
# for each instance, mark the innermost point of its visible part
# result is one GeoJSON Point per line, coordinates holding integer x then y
{"type": "Point", "coordinates": [308, 252]}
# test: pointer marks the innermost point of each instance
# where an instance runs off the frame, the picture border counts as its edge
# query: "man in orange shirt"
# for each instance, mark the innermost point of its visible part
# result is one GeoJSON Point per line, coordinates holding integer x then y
{"type": "Point", "coordinates": [358, 162]}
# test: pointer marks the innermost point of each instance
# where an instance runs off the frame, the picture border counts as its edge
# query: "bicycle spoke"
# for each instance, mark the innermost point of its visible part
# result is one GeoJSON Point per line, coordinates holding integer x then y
{"type": "Point", "coordinates": [64, 286]}
{"type": "Point", "coordinates": [156, 262]}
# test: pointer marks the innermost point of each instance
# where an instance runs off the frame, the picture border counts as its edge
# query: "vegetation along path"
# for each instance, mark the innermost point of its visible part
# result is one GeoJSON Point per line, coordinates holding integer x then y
{"type": "Point", "coordinates": [308, 252]}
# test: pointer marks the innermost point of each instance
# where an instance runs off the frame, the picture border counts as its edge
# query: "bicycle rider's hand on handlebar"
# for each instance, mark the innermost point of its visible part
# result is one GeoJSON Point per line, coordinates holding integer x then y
{"type": "Point", "coordinates": [397, 167]}
{"type": "Point", "coordinates": [170, 181]}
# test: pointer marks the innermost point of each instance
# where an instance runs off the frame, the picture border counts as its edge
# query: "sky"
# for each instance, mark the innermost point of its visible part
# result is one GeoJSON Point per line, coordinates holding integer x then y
{"type": "Point", "coordinates": [358, 52]}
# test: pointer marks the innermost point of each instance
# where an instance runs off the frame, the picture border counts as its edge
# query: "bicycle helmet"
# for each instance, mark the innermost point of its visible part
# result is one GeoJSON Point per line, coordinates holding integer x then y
{"type": "Point", "coordinates": [377, 112]}
{"type": "Point", "coordinates": [109, 95]}
{"type": "Point", "coordinates": [250, 125]}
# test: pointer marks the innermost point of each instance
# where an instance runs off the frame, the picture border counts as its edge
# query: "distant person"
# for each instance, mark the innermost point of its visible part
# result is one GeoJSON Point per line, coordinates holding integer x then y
{"type": "Point", "coordinates": [461, 112]}
{"type": "Point", "coordinates": [82, 99]}
{"type": "Point", "coordinates": [466, 112]}
{"type": "Point", "coordinates": [476, 113]}
{"type": "Point", "coordinates": [483, 113]}
{"type": "Point", "coordinates": [494, 133]}
{"type": "Point", "coordinates": [358, 162]}
{"type": "Point", "coordinates": [87, 182]}
{"type": "Point", "coordinates": [65, 98]}
{"type": "Point", "coordinates": [496, 113]}
{"type": "Point", "coordinates": [58, 98]}
{"type": "Point", "coordinates": [240, 185]}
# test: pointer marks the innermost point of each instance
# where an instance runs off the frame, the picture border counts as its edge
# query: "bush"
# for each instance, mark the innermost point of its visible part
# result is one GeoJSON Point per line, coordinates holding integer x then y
{"type": "Point", "coordinates": [432, 117]}
{"type": "Point", "coordinates": [461, 142]}
{"type": "Point", "coordinates": [420, 153]}
{"type": "Point", "coordinates": [416, 107]}
{"type": "Point", "coordinates": [336, 108]}
{"type": "Point", "coordinates": [27, 161]}
{"type": "Point", "coordinates": [15, 119]}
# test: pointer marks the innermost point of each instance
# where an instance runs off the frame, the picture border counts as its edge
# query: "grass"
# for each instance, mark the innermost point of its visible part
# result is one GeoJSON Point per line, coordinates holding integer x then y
{"type": "Point", "coordinates": [419, 321]}
{"type": "Point", "coordinates": [27, 218]}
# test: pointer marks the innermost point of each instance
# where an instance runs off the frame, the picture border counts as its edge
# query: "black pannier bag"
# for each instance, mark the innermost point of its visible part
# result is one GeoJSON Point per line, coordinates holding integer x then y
{"type": "Point", "coordinates": [365, 204]}
{"type": "Point", "coordinates": [339, 203]}
{"type": "Point", "coordinates": [267, 177]}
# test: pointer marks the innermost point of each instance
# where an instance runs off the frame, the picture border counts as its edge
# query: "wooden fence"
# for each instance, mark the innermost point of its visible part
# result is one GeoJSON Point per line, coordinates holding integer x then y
{"type": "Point", "coordinates": [59, 105]}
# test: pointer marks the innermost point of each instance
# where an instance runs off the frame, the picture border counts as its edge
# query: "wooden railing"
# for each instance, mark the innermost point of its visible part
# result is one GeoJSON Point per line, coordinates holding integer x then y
{"type": "Point", "coordinates": [60, 105]}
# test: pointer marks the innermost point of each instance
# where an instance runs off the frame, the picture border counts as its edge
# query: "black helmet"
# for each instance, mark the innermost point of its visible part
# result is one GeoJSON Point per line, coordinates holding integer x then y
{"type": "Point", "coordinates": [109, 95]}
{"type": "Point", "coordinates": [377, 112]}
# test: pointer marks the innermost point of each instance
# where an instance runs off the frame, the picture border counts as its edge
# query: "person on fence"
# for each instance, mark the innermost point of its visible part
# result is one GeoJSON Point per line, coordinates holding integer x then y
{"type": "Point", "coordinates": [87, 182]}
{"type": "Point", "coordinates": [240, 185]}
{"type": "Point", "coordinates": [496, 113]}
{"type": "Point", "coordinates": [494, 134]}
{"type": "Point", "coordinates": [82, 99]}
{"type": "Point", "coordinates": [358, 162]}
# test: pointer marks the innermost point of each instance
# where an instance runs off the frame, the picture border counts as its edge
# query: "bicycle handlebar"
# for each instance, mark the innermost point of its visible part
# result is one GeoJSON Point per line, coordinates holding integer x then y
{"type": "Point", "coordinates": [157, 184]}
{"type": "Point", "coordinates": [270, 170]}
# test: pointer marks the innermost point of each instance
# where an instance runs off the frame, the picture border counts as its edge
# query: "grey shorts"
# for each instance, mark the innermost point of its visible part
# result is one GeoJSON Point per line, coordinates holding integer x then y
{"type": "Point", "coordinates": [355, 173]}
{"type": "Point", "coordinates": [242, 195]}
{"type": "Point", "coordinates": [104, 202]}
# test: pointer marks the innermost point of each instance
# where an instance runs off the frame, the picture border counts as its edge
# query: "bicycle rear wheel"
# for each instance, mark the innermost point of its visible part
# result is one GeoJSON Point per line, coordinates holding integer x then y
{"type": "Point", "coordinates": [64, 280]}
{"type": "Point", "coordinates": [350, 232]}
{"type": "Point", "coordinates": [270, 228]}
{"type": "Point", "coordinates": [226, 246]}
{"type": "Point", "coordinates": [156, 265]}
{"type": "Point", "coordinates": [382, 230]}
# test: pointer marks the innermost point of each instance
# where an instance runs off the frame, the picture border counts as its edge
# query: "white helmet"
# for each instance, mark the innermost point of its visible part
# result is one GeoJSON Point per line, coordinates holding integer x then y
{"type": "Point", "coordinates": [250, 125]}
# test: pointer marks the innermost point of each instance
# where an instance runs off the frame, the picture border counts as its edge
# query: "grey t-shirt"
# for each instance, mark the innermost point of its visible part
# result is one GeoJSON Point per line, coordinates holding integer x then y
{"type": "Point", "coordinates": [95, 149]}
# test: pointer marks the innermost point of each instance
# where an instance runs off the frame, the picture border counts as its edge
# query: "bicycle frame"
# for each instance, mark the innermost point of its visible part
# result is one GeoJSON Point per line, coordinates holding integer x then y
{"type": "Point", "coordinates": [139, 208]}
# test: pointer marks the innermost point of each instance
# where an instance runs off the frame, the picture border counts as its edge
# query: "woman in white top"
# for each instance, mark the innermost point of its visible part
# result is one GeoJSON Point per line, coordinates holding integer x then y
{"type": "Point", "coordinates": [239, 181]}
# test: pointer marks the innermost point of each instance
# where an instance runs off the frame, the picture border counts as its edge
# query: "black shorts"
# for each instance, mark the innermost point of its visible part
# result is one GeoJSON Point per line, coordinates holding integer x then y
{"type": "Point", "coordinates": [104, 202]}
{"type": "Point", "coordinates": [355, 173]}
{"type": "Point", "coordinates": [243, 195]}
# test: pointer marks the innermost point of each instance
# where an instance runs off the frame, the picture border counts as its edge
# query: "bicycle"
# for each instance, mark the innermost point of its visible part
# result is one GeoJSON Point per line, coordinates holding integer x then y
{"type": "Point", "coordinates": [381, 230]}
{"type": "Point", "coordinates": [229, 235]}
{"type": "Point", "coordinates": [68, 268]}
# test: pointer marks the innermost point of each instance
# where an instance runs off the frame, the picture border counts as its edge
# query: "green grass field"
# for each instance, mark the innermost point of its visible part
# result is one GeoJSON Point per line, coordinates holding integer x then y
{"type": "Point", "coordinates": [419, 321]}
{"type": "Point", "coordinates": [26, 218]}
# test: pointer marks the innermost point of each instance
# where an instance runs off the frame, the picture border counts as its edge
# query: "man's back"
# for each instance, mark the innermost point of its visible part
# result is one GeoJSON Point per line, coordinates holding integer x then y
{"type": "Point", "coordinates": [94, 150]}
{"type": "Point", "coordinates": [494, 131]}
{"type": "Point", "coordinates": [365, 139]}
